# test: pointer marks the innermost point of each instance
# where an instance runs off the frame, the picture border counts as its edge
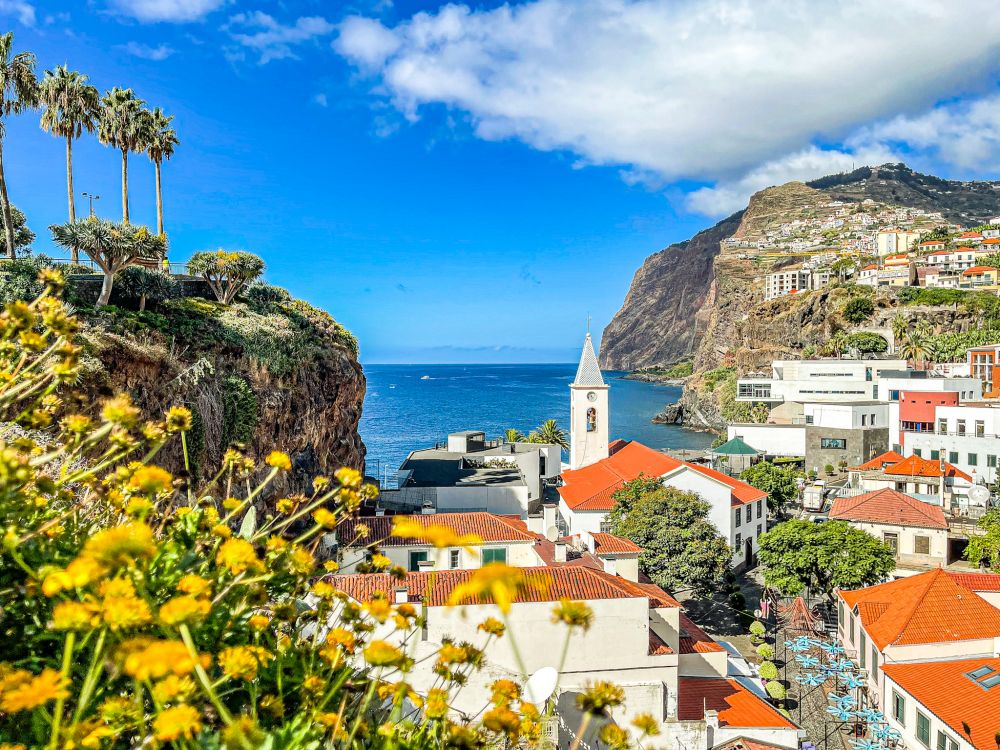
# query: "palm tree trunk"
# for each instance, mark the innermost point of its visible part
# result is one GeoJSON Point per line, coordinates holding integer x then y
{"type": "Point", "coordinates": [109, 280]}
{"type": "Point", "coordinates": [69, 181]}
{"type": "Point", "coordinates": [124, 186]}
{"type": "Point", "coordinates": [142, 303]}
{"type": "Point", "coordinates": [159, 202]}
{"type": "Point", "coordinates": [8, 218]}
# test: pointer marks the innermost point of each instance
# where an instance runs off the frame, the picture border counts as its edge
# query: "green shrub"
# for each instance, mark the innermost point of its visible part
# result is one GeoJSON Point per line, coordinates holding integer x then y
{"type": "Point", "coordinates": [757, 629]}
{"type": "Point", "coordinates": [239, 411]}
{"type": "Point", "coordinates": [713, 377]}
{"type": "Point", "coordinates": [866, 342]}
{"type": "Point", "coordinates": [776, 690]}
{"type": "Point", "coordinates": [261, 293]}
{"type": "Point", "coordinates": [858, 310]}
{"type": "Point", "coordinates": [768, 671]}
{"type": "Point", "coordinates": [141, 285]}
{"type": "Point", "coordinates": [765, 651]}
{"type": "Point", "coordinates": [828, 469]}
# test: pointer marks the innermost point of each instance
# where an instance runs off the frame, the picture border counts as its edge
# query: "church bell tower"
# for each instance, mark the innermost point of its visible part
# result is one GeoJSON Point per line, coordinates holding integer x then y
{"type": "Point", "coordinates": [588, 418]}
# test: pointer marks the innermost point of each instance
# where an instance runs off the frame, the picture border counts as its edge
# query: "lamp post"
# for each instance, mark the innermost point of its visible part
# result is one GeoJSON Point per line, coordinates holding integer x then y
{"type": "Point", "coordinates": [92, 198]}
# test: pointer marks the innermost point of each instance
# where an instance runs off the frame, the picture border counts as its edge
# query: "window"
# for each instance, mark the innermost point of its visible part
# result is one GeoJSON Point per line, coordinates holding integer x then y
{"type": "Point", "coordinates": [935, 455]}
{"type": "Point", "coordinates": [760, 529]}
{"type": "Point", "coordinates": [833, 444]}
{"type": "Point", "coordinates": [991, 460]}
{"type": "Point", "coordinates": [923, 730]}
{"type": "Point", "coordinates": [892, 539]}
{"type": "Point", "coordinates": [899, 708]}
{"type": "Point", "coordinates": [852, 627]}
{"type": "Point", "coordinates": [973, 459]}
{"type": "Point", "coordinates": [455, 558]}
{"type": "Point", "coordinates": [871, 420]}
{"type": "Point", "coordinates": [893, 395]}
{"type": "Point", "coordinates": [944, 742]}
{"type": "Point", "coordinates": [494, 554]}
{"type": "Point", "coordinates": [943, 426]}
{"type": "Point", "coordinates": [840, 613]}
{"type": "Point", "coordinates": [980, 428]}
{"type": "Point", "coordinates": [916, 452]}
{"type": "Point", "coordinates": [874, 662]}
{"type": "Point", "coordinates": [739, 518]}
{"type": "Point", "coordinates": [749, 513]}
{"type": "Point", "coordinates": [953, 457]}
{"type": "Point", "coordinates": [739, 541]}
{"type": "Point", "coordinates": [864, 420]}
{"type": "Point", "coordinates": [960, 424]}
{"type": "Point", "coordinates": [605, 527]}
{"type": "Point", "coordinates": [415, 559]}
{"type": "Point", "coordinates": [921, 545]}
{"type": "Point", "coordinates": [760, 508]}
{"type": "Point", "coordinates": [863, 649]}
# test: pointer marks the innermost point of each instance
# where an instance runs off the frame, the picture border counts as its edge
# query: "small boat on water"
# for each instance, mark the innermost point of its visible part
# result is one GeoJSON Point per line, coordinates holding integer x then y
{"type": "Point", "coordinates": [426, 377]}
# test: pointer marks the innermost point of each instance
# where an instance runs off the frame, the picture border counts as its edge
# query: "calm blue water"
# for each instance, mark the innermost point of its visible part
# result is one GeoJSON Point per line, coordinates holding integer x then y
{"type": "Point", "coordinates": [403, 411]}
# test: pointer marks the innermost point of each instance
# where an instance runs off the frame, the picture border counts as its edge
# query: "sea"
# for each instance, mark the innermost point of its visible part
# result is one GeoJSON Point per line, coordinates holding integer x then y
{"type": "Point", "coordinates": [408, 407]}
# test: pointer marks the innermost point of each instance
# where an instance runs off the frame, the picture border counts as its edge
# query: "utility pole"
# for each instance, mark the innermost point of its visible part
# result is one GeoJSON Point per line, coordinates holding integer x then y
{"type": "Point", "coordinates": [92, 198]}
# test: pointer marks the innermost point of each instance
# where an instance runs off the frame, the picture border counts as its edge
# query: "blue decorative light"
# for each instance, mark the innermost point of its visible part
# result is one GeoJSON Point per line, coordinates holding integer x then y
{"type": "Point", "coordinates": [811, 678]}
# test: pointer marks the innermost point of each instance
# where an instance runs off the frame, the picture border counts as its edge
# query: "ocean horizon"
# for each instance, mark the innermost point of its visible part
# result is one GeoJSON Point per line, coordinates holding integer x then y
{"type": "Point", "coordinates": [413, 406]}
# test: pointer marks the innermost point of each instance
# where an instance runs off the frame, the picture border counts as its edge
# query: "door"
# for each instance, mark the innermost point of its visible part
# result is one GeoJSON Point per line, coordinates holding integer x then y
{"type": "Point", "coordinates": [748, 554]}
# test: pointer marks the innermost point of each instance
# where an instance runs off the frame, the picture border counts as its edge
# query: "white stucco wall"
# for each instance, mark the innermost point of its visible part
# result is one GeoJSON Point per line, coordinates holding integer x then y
{"type": "Point", "coordinates": [772, 439]}
{"type": "Point", "coordinates": [906, 537]}
{"type": "Point", "coordinates": [908, 725]}
{"type": "Point", "coordinates": [519, 554]}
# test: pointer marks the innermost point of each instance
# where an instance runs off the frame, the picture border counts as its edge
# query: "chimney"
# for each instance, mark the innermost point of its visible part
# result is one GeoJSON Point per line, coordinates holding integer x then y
{"type": "Point", "coordinates": [401, 595]}
{"type": "Point", "coordinates": [549, 521]}
{"type": "Point", "coordinates": [610, 565]}
{"type": "Point", "coordinates": [428, 509]}
{"type": "Point", "coordinates": [711, 718]}
{"type": "Point", "coordinates": [560, 552]}
{"type": "Point", "coordinates": [425, 566]}
{"type": "Point", "coordinates": [380, 512]}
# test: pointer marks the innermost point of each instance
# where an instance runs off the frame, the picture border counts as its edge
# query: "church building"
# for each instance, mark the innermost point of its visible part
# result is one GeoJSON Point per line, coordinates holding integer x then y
{"type": "Point", "coordinates": [599, 467]}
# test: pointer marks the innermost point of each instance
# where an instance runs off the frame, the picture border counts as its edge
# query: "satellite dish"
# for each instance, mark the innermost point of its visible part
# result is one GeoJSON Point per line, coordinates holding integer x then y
{"type": "Point", "coordinates": [541, 685]}
{"type": "Point", "coordinates": [979, 494]}
{"type": "Point", "coordinates": [552, 533]}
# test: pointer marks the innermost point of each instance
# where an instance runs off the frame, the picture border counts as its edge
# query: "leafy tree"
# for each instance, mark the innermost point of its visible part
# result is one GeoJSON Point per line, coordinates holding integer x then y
{"type": "Point", "coordinates": [227, 273]}
{"type": "Point", "coordinates": [143, 284]}
{"type": "Point", "coordinates": [779, 483]}
{"type": "Point", "coordinates": [681, 547]}
{"type": "Point", "coordinates": [858, 309]}
{"type": "Point", "coordinates": [72, 106]}
{"type": "Point", "coordinates": [18, 92]}
{"type": "Point", "coordinates": [125, 125]}
{"type": "Point", "coordinates": [513, 435]}
{"type": "Point", "coordinates": [915, 347]}
{"type": "Point", "coordinates": [765, 651]}
{"type": "Point", "coordinates": [550, 433]}
{"type": "Point", "coordinates": [22, 235]}
{"type": "Point", "coordinates": [985, 548]}
{"type": "Point", "coordinates": [867, 343]}
{"type": "Point", "coordinates": [111, 246]}
{"type": "Point", "coordinates": [899, 325]}
{"type": "Point", "coordinates": [160, 145]}
{"type": "Point", "coordinates": [824, 556]}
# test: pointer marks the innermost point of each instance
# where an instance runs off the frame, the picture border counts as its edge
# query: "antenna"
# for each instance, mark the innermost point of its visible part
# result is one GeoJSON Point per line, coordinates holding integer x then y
{"type": "Point", "coordinates": [541, 685]}
{"type": "Point", "coordinates": [588, 323]}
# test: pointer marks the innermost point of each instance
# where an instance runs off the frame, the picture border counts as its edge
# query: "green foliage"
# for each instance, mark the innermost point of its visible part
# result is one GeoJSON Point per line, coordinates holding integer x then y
{"type": "Point", "coordinates": [227, 273]}
{"type": "Point", "coordinates": [680, 370]}
{"type": "Point", "coordinates": [984, 549]}
{"type": "Point", "coordinates": [765, 651]}
{"type": "Point", "coordinates": [19, 278]}
{"type": "Point", "coordinates": [757, 629]}
{"type": "Point", "coordinates": [828, 468]}
{"type": "Point", "coordinates": [732, 410]}
{"type": "Point", "coordinates": [260, 293]}
{"type": "Point", "coordinates": [550, 433]}
{"type": "Point", "coordinates": [195, 441]}
{"type": "Point", "coordinates": [808, 351]}
{"type": "Point", "coordinates": [22, 235]}
{"type": "Point", "coordinates": [776, 690]}
{"type": "Point", "coordinates": [858, 309]}
{"type": "Point", "coordinates": [867, 343]}
{"type": "Point", "coordinates": [912, 295]}
{"type": "Point", "coordinates": [779, 483]}
{"type": "Point", "coordinates": [823, 556]}
{"type": "Point", "coordinates": [239, 411]}
{"type": "Point", "coordinates": [937, 233]}
{"type": "Point", "coordinates": [993, 259]}
{"type": "Point", "coordinates": [143, 285]}
{"type": "Point", "coordinates": [720, 374]}
{"type": "Point", "coordinates": [768, 671]}
{"type": "Point", "coordinates": [681, 547]}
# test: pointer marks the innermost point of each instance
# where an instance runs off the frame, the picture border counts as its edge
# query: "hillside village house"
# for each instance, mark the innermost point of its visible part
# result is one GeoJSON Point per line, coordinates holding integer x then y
{"type": "Point", "coordinates": [979, 277]}
{"type": "Point", "coordinates": [916, 638]}
{"type": "Point", "coordinates": [891, 241]}
{"type": "Point", "coordinates": [956, 259]}
{"type": "Point", "coordinates": [666, 665]}
{"type": "Point", "coordinates": [815, 380]}
{"type": "Point", "coordinates": [966, 435]}
{"type": "Point", "coordinates": [931, 480]}
{"type": "Point", "coordinates": [916, 531]}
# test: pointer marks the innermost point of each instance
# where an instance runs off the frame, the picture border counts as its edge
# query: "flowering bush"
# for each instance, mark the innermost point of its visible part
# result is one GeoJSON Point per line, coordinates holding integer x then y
{"type": "Point", "coordinates": [140, 610]}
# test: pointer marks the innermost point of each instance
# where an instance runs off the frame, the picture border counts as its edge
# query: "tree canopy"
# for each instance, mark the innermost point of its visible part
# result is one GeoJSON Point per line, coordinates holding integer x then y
{"type": "Point", "coordinates": [858, 310]}
{"type": "Point", "coordinates": [227, 273]}
{"type": "Point", "coordinates": [779, 483]}
{"type": "Point", "coordinates": [985, 548]}
{"type": "Point", "coordinates": [822, 556]}
{"type": "Point", "coordinates": [680, 546]}
{"type": "Point", "coordinates": [23, 236]}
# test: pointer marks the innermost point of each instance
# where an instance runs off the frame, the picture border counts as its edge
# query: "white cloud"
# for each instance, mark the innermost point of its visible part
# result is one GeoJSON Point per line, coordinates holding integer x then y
{"type": "Point", "coordinates": [176, 11]}
{"type": "Point", "coordinates": [731, 92]}
{"type": "Point", "coordinates": [24, 12]}
{"type": "Point", "coordinates": [272, 40]}
{"type": "Point", "coordinates": [321, 100]}
{"type": "Point", "coordinates": [161, 52]}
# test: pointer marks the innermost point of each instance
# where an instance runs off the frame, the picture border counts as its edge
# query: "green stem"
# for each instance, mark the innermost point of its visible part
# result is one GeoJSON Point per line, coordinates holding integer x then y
{"type": "Point", "coordinates": [203, 676]}
{"type": "Point", "coordinates": [64, 675]}
{"type": "Point", "coordinates": [90, 681]}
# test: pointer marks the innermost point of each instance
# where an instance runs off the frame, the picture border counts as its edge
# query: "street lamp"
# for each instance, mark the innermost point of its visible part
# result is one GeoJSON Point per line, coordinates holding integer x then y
{"type": "Point", "coordinates": [92, 198]}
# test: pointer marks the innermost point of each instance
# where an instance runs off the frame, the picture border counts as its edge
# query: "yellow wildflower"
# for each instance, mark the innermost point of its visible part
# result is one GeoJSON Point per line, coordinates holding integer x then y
{"type": "Point", "coordinates": [241, 662]}
{"type": "Point", "coordinates": [259, 622]}
{"type": "Point", "coordinates": [151, 659]}
{"type": "Point", "coordinates": [435, 534]}
{"type": "Point", "coordinates": [325, 518]}
{"type": "Point", "coordinates": [184, 609]}
{"type": "Point", "coordinates": [378, 608]}
{"type": "Point", "coordinates": [33, 692]}
{"type": "Point", "coordinates": [194, 585]}
{"type": "Point", "coordinates": [173, 688]}
{"type": "Point", "coordinates": [338, 638]}
{"type": "Point", "coordinates": [615, 737]}
{"type": "Point", "coordinates": [150, 480]}
{"type": "Point", "coordinates": [177, 722]}
{"type": "Point", "coordinates": [121, 545]}
{"type": "Point", "coordinates": [492, 626]}
{"type": "Point", "coordinates": [380, 562]}
{"type": "Point", "coordinates": [232, 503]}
{"type": "Point", "coordinates": [301, 561]}
{"type": "Point", "coordinates": [123, 612]}
{"type": "Point", "coordinates": [502, 721]}
{"type": "Point", "coordinates": [574, 614]}
{"type": "Point", "coordinates": [279, 460]}
{"type": "Point", "coordinates": [495, 581]}
{"type": "Point", "coordinates": [436, 706]}
{"type": "Point", "coordinates": [348, 477]}
{"type": "Point", "coordinates": [74, 616]}
{"type": "Point", "coordinates": [324, 589]}
{"type": "Point", "coordinates": [243, 733]}
{"type": "Point", "coordinates": [503, 692]}
{"type": "Point", "coordinates": [238, 556]}
{"type": "Point", "coordinates": [646, 724]}
{"type": "Point", "coordinates": [120, 411]}
{"type": "Point", "coordinates": [285, 505]}
{"type": "Point", "coordinates": [222, 530]}
{"type": "Point", "coordinates": [383, 654]}
{"type": "Point", "coordinates": [179, 419]}
{"type": "Point", "coordinates": [599, 696]}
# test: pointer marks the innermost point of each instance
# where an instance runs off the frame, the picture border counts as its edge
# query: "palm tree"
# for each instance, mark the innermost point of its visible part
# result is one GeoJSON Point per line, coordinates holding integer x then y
{"type": "Point", "coordinates": [125, 125]}
{"type": "Point", "coordinates": [18, 92]}
{"type": "Point", "coordinates": [160, 146]}
{"type": "Point", "coordinates": [72, 106]}
{"type": "Point", "coordinates": [915, 347]}
{"type": "Point", "coordinates": [513, 435]}
{"type": "Point", "coordinates": [899, 326]}
{"type": "Point", "coordinates": [550, 433]}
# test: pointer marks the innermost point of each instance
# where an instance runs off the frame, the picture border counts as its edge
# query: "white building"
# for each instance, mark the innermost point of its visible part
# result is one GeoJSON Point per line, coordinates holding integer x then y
{"type": "Point", "coordinates": [588, 420]}
{"type": "Point", "coordinates": [932, 480]}
{"type": "Point", "coordinates": [815, 380]}
{"type": "Point", "coordinates": [890, 241]}
{"type": "Point", "coordinates": [956, 259]}
{"type": "Point", "coordinates": [966, 435]}
{"type": "Point", "coordinates": [792, 282]}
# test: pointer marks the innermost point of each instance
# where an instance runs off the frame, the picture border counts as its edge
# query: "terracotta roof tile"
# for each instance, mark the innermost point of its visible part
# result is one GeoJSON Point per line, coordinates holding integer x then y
{"type": "Point", "coordinates": [609, 544]}
{"type": "Point", "coordinates": [657, 646]}
{"type": "Point", "coordinates": [737, 706]}
{"type": "Point", "coordinates": [694, 640]}
{"type": "Point", "coordinates": [945, 690]}
{"type": "Point", "coordinates": [889, 506]}
{"type": "Point", "coordinates": [591, 487]}
{"type": "Point", "coordinates": [978, 269]}
{"type": "Point", "coordinates": [489, 527]}
{"type": "Point", "coordinates": [976, 581]}
{"type": "Point", "coordinates": [542, 585]}
{"type": "Point", "coordinates": [915, 466]}
{"type": "Point", "coordinates": [931, 607]}
{"type": "Point", "coordinates": [742, 493]}
{"type": "Point", "coordinates": [742, 743]}
{"type": "Point", "coordinates": [880, 462]}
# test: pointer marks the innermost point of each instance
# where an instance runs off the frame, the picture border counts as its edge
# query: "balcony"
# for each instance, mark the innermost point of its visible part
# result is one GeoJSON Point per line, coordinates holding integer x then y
{"type": "Point", "coordinates": [755, 390]}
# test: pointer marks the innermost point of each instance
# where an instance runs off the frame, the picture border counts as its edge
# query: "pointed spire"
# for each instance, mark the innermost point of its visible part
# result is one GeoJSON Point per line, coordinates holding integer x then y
{"type": "Point", "coordinates": [589, 372]}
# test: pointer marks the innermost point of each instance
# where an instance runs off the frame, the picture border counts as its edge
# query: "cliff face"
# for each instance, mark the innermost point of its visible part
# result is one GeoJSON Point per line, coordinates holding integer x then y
{"type": "Point", "coordinates": [268, 376]}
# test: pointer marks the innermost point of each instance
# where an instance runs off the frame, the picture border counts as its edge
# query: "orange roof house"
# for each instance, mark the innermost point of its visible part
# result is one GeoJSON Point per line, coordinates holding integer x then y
{"type": "Point", "coordinates": [489, 527]}
{"type": "Point", "coordinates": [931, 607]}
{"type": "Point", "coordinates": [735, 704]}
{"type": "Point", "coordinates": [961, 693]}
{"type": "Point", "coordinates": [888, 506]}
{"type": "Point", "coordinates": [979, 270]}
{"type": "Point", "coordinates": [880, 462]}
{"type": "Point", "coordinates": [915, 466]}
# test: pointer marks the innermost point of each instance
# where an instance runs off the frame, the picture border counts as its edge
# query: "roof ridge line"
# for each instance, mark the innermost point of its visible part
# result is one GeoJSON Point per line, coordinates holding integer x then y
{"type": "Point", "coordinates": [917, 601]}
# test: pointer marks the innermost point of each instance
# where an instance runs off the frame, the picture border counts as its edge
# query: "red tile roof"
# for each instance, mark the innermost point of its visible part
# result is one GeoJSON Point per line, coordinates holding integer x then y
{"type": "Point", "coordinates": [931, 243]}
{"type": "Point", "coordinates": [977, 581]}
{"type": "Point", "coordinates": [609, 544]}
{"type": "Point", "coordinates": [945, 690]}
{"type": "Point", "coordinates": [888, 506]}
{"type": "Point", "coordinates": [970, 235]}
{"type": "Point", "coordinates": [742, 743]}
{"type": "Point", "coordinates": [541, 585]}
{"type": "Point", "coordinates": [694, 640]}
{"type": "Point", "coordinates": [992, 241]}
{"type": "Point", "coordinates": [880, 462]}
{"type": "Point", "coordinates": [489, 527]}
{"type": "Point", "coordinates": [591, 487]}
{"type": "Point", "coordinates": [737, 706]}
{"type": "Point", "coordinates": [930, 607]}
{"type": "Point", "coordinates": [872, 267]}
{"type": "Point", "coordinates": [657, 646]}
{"type": "Point", "coordinates": [978, 269]}
{"type": "Point", "coordinates": [915, 466]}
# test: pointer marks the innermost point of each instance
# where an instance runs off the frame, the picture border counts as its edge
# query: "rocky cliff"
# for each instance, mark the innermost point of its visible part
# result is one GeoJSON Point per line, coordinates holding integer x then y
{"type": "Point", "coordinates": [265, 375]}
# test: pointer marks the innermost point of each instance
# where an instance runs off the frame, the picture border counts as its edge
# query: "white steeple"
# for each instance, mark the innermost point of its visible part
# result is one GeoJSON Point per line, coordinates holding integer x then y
{"type": "Point", "coordinates": [588, 411]}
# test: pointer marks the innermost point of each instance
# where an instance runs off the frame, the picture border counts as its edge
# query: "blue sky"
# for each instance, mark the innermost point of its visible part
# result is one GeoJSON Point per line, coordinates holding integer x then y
{"type": "Point", "coordinates": [468, 183]}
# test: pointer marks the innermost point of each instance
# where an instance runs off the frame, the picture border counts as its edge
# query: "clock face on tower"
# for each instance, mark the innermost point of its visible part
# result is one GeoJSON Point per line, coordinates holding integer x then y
{"type": "Point", "coordinates": [592, 396]}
